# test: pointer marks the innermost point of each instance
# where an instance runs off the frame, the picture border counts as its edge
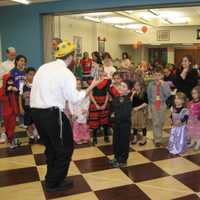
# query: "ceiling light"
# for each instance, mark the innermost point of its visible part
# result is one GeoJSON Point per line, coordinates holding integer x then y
{"type": "Point", "coordinates": [119, 26]}
{"type": "Point", "coordinates": [134, 26]}
{"type": "Point", "coordinates": [22, 1]}
{"type": "Point", "coordinates": [92, 19]}
{"type": "Point", "coordinates": [129, 11]}
{"type": "Point", "coordinates": [98, 14]}
{"type": "Point", "coordinates": [139, 31]}
{"type": "Point", "coordinates": [147, 16]}
{"type": "Point", "coordinates": [167, 14]}
{"type": "Point", "coordinates": [179, 20]}
{"type": "Point", "coordinates": [117, 20]}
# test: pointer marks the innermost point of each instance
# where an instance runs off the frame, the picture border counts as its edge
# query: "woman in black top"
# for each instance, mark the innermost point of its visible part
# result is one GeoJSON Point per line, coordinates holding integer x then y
{"type": "Point", "coordinates": [186, 77]}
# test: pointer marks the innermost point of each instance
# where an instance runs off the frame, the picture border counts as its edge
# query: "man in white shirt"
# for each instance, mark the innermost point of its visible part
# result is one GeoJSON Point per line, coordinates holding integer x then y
{"type": "Point", "coordinates": [54, 85]}
{"type": "Point", "coordinates": [9, 64]}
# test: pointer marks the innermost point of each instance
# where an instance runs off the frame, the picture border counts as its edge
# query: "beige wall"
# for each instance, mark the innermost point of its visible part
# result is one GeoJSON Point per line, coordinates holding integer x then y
{"type": "Point", "coordinates": [119, 40]}
{"type": "Point", "coordinates": [89, 31]}
{"type": "Point", "coordinates": [185, 35]}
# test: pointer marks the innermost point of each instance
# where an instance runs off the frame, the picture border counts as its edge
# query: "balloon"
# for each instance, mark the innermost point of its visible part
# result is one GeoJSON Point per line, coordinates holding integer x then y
{"type": "Point", "coordinates": [144, 29]}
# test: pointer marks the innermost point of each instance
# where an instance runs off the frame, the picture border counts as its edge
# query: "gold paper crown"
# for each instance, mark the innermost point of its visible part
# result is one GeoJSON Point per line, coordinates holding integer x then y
{"type": "Point", "coordinates": [64, 49]}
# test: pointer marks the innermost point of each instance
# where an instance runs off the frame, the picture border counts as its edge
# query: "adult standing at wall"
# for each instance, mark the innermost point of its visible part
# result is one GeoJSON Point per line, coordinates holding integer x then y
{"type": "Point", "coordinates": [108, 65]}
{"type": "Point", "coordinates": [186, 77]}
{"type": "Point", "coordinates": [53, 86]}
{"type": "Point", "coordinates": [9, 64]}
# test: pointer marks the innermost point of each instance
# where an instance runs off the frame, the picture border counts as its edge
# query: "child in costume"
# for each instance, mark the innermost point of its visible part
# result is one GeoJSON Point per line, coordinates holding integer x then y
{"type": "Point", "coordinates": [79, 114]}
{"type": "Point", "coordinates": [139, 112]}
{"type": "Point", "coordinates": [9, 108]}
{"type": "Point", "coordinates": [178, 134]}
{"type": "Point", "coordinates": [121, 113]}
{"type": "Point", "coordinates": [194, 119]}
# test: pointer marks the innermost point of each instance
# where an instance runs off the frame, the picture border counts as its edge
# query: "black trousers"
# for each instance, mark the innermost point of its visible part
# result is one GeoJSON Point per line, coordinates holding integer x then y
{"type": "Point", "coordinates": [58, 151]}
{"type": "Point", "coordinates": [121, 140]}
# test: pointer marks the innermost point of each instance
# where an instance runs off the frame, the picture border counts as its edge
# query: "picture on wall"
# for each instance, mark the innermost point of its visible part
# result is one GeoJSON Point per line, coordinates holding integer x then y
{"type": "Point", "coordinates": [101, 44]}
{"type": "Point", "coordinates": [163, 35]}
{"type": "Point", "coordinates": [78, 42]}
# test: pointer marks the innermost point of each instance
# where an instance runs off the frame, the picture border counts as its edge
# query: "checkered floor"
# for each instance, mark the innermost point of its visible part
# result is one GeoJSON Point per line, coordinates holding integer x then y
{"type": "Point", "coordinates": [151, 174]}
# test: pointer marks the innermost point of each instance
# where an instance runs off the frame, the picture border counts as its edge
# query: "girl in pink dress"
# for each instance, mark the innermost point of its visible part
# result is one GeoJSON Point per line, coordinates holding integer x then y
{"type": "Point", "coordinates": [194, 119]}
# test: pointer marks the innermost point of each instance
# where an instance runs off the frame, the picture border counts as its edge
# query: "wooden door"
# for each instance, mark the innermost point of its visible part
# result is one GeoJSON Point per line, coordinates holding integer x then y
{"type": "Point", "coordinates": [195, 53]}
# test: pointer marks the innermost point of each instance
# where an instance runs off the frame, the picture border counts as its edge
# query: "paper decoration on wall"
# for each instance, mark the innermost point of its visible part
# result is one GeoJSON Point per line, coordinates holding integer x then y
{"type": "Point", "coordinates": [198, 34]}
{"type": "Point", "coordinates": [78, 42]}
{"type": "Point", "coordinates": [101, 44]}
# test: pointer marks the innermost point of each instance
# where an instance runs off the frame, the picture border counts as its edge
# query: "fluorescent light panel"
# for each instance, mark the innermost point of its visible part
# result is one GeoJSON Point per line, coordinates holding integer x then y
{"type": "Point", "coordinates": [94, 19]}
{"type": "Point", "coordinates": [119, 26]}
{"type": "Point", "coordinates": [22, 1]}
{"type": "Point", "coordinates": [179, 20]}
{"type": "Point", "coordinates": [134, 26]}
{"type": "Point", "coordinates": [117, 20]}
{"type": "Point", "coordinates": [98, 14]}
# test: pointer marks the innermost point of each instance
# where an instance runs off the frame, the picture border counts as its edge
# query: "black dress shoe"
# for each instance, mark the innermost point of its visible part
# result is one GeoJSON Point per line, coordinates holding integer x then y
{"type": "Point", "coordinates": [157, 144]}
{"type": "Point", "coordinates": [94, 142]}
{"type": "Point", "coordinates": [61, 187]}
{"type": "Point", "coordinates": [106, 139]}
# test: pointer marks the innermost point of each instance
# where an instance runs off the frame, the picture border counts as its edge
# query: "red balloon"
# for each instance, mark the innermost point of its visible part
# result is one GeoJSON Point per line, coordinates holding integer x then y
{"type": "Point", "coordinates": [144, 29]}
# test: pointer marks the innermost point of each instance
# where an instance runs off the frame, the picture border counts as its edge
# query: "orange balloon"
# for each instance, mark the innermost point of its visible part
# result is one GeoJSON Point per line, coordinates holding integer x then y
{"type": "Point", "coordinates": [144, 29]}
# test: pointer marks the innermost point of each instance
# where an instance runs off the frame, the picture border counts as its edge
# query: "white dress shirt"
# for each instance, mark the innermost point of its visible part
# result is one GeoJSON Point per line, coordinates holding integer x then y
{"type": "Point", "coordinates": [53, 85]}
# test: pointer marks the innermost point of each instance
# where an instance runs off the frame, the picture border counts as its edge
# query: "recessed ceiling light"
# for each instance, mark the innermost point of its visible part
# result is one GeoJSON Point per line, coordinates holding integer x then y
{"type": "Point", "coordinates": [134, 26]}
{"type": "Point", "coordinates": [171, 14]}
{"type": "Point", "coordinates": [119, 26]}
{"type": "Point", "coordinates": [179, 20]}
{"type": "Point", "coordinates": [147, 16]}
{"type": "Point", "coordinates": [98, 14]}
{"type": "Point", "coordinates": [139, 31]}
{"type": "Point", "coordinates": [129, 11]}
{"type": "Point", "coordinates": [22, 1]}
{"type": "Point", "coordinates": [94, 19]}
{"type": "Point", "coordinates": [117, 20]}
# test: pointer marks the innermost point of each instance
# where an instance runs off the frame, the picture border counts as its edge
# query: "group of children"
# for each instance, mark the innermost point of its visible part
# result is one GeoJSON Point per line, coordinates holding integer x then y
{"type": "Point", "coordinates": [116, 103]}
{"type": "Point", "coordinates": [124, 106]}
{"type": "Point", "coordinates": [15, 101]}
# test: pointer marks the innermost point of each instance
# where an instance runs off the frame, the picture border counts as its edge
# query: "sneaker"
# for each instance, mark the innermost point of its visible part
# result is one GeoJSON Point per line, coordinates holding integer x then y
{"type": "Point", "coordinates": [134, 141]}
{"type": "Point", "coordinates": [106, 139]}
{"type": "Point", "coordinates": [94, 142]}
{"type": "Point", "coordinates": [158, 144]}
{"type": "Point", "coordinates": [112, 162]}
{"type": "Point", "coordinates": [197, 146]}
{"type": "Point", "coordinates": [116, 165]}
{"type": "Point", "coordinates": [122, 165]}
{"type": "Point", "coordinates": [22, 126]}
{"type": "Point", "coordinates": [3, 138]}
{"type": "Point", "coordinates": [191, 144]}
{"type": "Point", "coordinates": [31, 140]}
{"type": "Point", "coordinates": [143, 141]}
{"type": "Point", "coordinates": [79, 142]}
{"type": "Point", "coordinates": [14, 144]}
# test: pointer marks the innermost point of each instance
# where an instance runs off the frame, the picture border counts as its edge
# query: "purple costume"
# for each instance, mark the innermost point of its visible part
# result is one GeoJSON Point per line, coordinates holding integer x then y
{"type": "Point", "coordinates": [178, 134]}
{"type": "Point", "coordinates": [194, 120]}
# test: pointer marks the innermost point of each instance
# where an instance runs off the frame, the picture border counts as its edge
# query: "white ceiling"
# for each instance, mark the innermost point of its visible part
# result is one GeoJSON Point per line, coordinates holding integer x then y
{"type": "Point", "coordinates": [9, 3]}
{"type": "Point", "coordinates": [184, 16]}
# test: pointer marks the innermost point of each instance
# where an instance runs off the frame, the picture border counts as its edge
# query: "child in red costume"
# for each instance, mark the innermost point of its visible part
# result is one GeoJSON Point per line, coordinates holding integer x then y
{"type": "Point", "coordinates": [8, 97]}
